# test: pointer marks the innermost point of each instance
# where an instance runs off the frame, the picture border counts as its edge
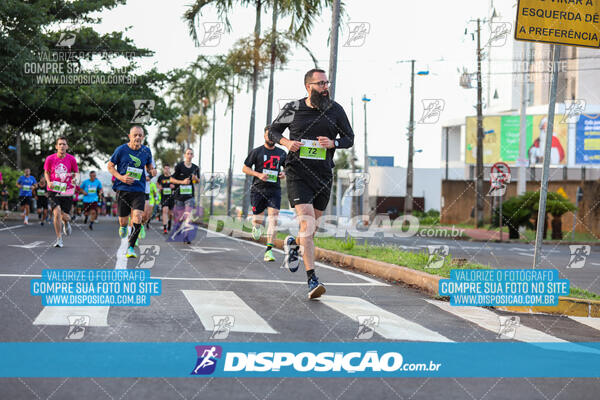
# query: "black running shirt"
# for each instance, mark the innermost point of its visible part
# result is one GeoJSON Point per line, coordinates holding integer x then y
{"type": "Point", "coordinates": [305, 124]}
{"type": "Point", "coordinates": [268, 162]}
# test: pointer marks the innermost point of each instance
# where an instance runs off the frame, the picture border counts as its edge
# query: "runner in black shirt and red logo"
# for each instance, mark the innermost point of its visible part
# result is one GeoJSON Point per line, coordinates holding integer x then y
{"type": "Point", "coordinates": [185, 177]}
{"type": "Point", "coordinates": [167, 201]}
{"type": "Point", "coordinates": [265, 192]}
{"type": "Point", "coordinates": [317, 125]}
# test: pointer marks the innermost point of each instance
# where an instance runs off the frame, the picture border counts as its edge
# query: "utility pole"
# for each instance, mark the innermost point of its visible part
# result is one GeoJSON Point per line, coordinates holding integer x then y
{"type": "Point", "coordinates": [230, 171]}
{"type": "Point", "coordinates": [212, 162]}
{"type": "Point", "coordinates": [522, 162]}
{"type": "Point", "coordinates": [366, 205]}
{"type": "Point", "coordinates": [353, 206]}
{"type": "Point", "coordinates": [333, 52]}
{"type": "Point", "coordinates": [479, 169]}
{"type": "Point", "coordinates": [408, 198]}
{"type": "Point", "coordinates": [18, 151]}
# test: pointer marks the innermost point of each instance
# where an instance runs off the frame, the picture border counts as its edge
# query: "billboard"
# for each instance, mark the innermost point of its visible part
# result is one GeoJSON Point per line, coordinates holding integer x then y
{"type": "Point", "coordinates": [501, 139]}
{"type": "Point", "coordinates": [381, 161]}
{"type": "Point", "coordinates": [587, 139]}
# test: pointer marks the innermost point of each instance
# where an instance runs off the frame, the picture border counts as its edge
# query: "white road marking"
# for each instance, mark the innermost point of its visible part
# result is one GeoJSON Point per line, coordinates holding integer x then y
{"type": "Point", "coordinates": [207, 303]}
{"type": "Point", "coordinates": [317, 263]}
{"type": "Point", "coordinates": [595, 263]}
{"type": "Point", "coordinates": [121, 259]}
{"type": "Point", "coordinates": [591, 322]}
{"type": "Point", "coordinates": [391, 326]}
{"type": "Point", "coordinates": [11, 227]}
{"type": "Point", "coordinates": [525, 254]}
{"type": "Point", "coordinates": [59, 315]}
{"type": "Point", "coordinates": [489, 320]}
{"type": "Point", "coordinates": [28, 246]}
{"type": "Point", "coordinates": [208, 250]}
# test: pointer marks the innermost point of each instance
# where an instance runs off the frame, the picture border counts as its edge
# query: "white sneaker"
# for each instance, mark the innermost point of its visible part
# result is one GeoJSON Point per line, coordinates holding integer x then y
{"type": "Point", "coordinates": [59, 242]}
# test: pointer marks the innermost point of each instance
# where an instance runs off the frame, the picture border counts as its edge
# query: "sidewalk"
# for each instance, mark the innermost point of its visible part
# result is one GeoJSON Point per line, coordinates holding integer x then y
{"type": "Point", "coordinates": [484, 234]}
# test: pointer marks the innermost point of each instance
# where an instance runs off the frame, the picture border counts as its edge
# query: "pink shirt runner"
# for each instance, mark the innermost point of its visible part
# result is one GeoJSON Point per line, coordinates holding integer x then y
{"type": "Point", "coordinates": [60, 170]}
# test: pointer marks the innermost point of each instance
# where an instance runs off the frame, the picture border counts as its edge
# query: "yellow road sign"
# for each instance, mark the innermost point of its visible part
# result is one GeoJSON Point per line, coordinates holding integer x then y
{"type": "Point", "coordinates": [569, 22]}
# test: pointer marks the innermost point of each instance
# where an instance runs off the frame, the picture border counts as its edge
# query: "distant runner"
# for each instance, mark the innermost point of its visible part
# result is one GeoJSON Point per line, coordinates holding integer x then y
{"type": "Point", "coordinates": [265, 192]}
{"type": "Point", "coordinates": [167, 200]}
{"type": "Point", "coordinates": [185, 176]}
{"type": "Point", "coordinates": [92, 190]}
{"type": "Point", "coordinates": [41, 198]}
{"type": "Point", "coordinates": [61, 173]}
{"type": "Point", "coordinates": [26, 184]}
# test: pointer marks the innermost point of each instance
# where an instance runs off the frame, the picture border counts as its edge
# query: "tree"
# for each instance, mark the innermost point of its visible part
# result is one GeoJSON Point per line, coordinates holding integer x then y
{"type": "Point", "coordinates": [303, 14]}
{"type": "Point", "coordinates": [38, 106]}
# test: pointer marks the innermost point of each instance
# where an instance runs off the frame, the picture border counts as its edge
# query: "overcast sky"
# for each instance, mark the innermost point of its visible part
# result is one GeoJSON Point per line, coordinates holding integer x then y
{"type": "Point", "coordinates": [425, 31]}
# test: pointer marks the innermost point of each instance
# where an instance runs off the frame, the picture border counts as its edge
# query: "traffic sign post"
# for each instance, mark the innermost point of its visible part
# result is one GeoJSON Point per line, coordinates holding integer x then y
{"type": "Point", "coordinates": [499, 178]}
{"type": "Point", "coordinates": [573, 23]}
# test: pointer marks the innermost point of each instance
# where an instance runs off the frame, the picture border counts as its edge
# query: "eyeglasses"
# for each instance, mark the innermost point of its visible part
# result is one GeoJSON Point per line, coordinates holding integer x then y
{"type": "Point", "coordinates": [320, 83]}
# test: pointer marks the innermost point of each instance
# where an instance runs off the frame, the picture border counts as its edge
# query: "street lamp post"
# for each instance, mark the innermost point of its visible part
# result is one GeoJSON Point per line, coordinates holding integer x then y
{"type": "Point", "coordinates": [366, 204]}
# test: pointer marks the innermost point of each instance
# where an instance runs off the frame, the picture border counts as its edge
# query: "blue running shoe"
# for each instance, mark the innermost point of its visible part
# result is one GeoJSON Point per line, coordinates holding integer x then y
{"type": "Point", "coordinates": [315, 289]}
{"type": "Point", "coordinates": [130, 253]}
{"type": "Point", "coordinates": [122, 232]}
{"type": "Point", "coordinates": [290, 249]}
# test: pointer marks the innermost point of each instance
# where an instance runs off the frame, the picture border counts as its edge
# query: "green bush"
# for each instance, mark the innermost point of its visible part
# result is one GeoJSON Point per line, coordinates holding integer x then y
{"type": "Point", "coordinates": [10, 177]}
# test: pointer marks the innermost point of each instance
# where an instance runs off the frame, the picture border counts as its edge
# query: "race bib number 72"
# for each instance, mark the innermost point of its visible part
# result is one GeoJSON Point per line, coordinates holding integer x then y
{"type": "Point", "coordinates": [312, 150]}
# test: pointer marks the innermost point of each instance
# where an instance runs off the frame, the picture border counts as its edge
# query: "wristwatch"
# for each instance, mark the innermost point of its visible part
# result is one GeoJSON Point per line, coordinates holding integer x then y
{"type": "Point", "coordinates": [336, 143]}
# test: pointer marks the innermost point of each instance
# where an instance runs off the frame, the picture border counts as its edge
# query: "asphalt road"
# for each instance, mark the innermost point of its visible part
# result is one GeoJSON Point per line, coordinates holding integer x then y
{"type": "Point", "coordinates": [218, 275]}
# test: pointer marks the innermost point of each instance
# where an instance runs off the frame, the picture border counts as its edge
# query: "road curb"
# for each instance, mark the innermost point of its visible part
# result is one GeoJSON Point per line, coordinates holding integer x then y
{"type": "Point", "coordinates": [430, 283]}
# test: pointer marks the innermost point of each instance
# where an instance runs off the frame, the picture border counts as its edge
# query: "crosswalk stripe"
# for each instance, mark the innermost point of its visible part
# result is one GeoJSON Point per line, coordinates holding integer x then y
{"type": "Point", "coordinates": [488, 320]}
{"type": "Point", "coordinates": [591, 322]}
{"type": "Point", "coordinates": [390, 326]}
{"type": "Point", "coordinates": [209, 303]}
{"type": "Point", "coordinates": [59, 315]}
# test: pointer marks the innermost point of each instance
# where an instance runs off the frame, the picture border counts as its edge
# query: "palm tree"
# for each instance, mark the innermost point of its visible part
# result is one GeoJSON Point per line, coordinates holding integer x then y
{"type": "Point", "coordinates": [303, 14]}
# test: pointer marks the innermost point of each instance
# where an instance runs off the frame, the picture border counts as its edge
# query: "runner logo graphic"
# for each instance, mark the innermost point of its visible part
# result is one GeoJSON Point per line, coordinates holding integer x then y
{"type": "Point", "coordinates": [573, 110]}
{"type": "Point", "coordinates": [287, 110]}
{"type": "Point", "coordinates": [77, 325]}
{"type": "Point", "coordinates": [579, 254]}
{"type": "Point", "coordinates": [148, 256]}
{"type": "Point", "coordinates": [358, 183]}
{"type": "Point", "coordinates": [499, 32]}
{"type": "Point", "coordinates": [357, 33]}
{"type": "Point", "coordinates": [207, 359]}
{"type": "Point", "coordinates": [498, 183]}
{"type": "Point", "coordinates": [212, 34]}
{"type": "Point", "coordinates": [366, 326]}
{"type": "Point", "coordinates": [222, 326]}
{"type": "Point", "coordinates": [213, 184]}
{"type": "Point", "coordinates": [508, 327]}
{"type": "Point", "coordinates": [142, 111]}
{"type": "Point", "coordinates": [67, 39]}
{"type": "Point", "coordinates": [432, 109]}
{"type": "Point", "coordinates": [437, 256]}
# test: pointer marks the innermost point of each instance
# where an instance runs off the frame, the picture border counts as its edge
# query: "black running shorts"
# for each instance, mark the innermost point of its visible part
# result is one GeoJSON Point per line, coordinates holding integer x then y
{"type": "Point", "coordinates": [309, 190]}
{"type": "Point", "coordinates": [64, 202]}
{"type": "Point", "coordinates": [127, 201]}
